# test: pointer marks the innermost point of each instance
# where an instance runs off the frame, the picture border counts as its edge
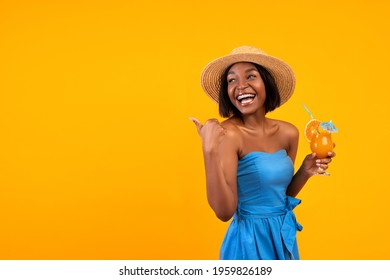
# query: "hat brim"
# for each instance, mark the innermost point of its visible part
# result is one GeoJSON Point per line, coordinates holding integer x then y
{"type": "Point", "coordinates": [281, 72]}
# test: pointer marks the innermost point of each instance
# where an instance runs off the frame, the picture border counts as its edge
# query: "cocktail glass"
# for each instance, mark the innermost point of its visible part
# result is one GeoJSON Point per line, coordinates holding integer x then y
{"type": "Point", "coordinates": [319, 135]}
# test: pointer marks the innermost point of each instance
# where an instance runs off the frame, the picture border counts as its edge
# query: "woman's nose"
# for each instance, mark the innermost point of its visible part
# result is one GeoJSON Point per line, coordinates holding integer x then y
{"type": "Point", "coordinates": [241, 86]}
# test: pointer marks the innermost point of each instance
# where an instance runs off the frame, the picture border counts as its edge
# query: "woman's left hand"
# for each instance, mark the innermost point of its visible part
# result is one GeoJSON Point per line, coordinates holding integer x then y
{"type": "Point", "coordinates": [313, 165]}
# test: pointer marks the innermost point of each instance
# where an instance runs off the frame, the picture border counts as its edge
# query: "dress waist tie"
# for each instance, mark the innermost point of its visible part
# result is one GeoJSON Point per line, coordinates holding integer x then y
{"type": "Point", "coordinates": [290, 226]}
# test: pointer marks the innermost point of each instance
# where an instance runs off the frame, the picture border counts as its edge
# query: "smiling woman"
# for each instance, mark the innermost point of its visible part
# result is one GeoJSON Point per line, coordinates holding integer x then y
{"type": "Point", "coordinates": [229, 79]}
{"type": "Point", "coordinates": [249, 158]}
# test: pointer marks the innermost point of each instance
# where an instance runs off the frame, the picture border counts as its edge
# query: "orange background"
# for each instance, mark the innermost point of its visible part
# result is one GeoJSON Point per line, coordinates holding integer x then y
{"type": "Point", "coordinates": [98, 159]}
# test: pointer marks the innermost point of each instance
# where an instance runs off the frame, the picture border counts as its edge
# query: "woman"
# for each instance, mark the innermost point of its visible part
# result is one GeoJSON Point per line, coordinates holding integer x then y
{"type": "Point", "coordinates": [249, 158]}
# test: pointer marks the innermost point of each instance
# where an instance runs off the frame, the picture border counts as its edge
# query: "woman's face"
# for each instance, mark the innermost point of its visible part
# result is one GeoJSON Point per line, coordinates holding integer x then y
{"type": "Point", "coordinates": [245, 88]}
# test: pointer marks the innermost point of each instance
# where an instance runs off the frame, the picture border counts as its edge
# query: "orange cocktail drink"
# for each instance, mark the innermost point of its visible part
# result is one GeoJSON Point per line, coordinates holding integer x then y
{"type": "Point", "coordinates": [319, 135]}
{"type": "Point", "coordinates": [321, 143]}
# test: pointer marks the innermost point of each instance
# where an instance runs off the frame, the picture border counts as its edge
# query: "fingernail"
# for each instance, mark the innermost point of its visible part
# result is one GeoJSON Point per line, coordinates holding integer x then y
{"type": "Point", "coordinates": [318, 160]}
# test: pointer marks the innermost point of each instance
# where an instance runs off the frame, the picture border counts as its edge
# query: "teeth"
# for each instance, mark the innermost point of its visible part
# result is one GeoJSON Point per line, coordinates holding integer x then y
{"type": "Point", "coordinates": [240, 97]}
{"type": "Point", "coordinates": [246, 101]}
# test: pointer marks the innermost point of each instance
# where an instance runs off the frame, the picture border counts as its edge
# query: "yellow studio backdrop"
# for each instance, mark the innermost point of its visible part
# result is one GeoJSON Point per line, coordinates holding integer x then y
{"type": "Point", "coordinates": [98, 159]}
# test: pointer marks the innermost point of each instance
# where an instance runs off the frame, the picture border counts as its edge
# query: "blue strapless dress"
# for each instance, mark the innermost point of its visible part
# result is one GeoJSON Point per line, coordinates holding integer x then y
{"type": "Point", "coordinates": [264, 226]}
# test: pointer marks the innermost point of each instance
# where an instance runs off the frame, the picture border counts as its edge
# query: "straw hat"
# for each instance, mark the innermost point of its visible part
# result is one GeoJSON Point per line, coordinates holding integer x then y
{"type": "Point", "coordinates": [281, 71]}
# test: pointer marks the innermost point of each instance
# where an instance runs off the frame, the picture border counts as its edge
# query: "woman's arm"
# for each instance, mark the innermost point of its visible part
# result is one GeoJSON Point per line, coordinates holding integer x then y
{"type": "Point", "coordinates": [301, 176]}
{"type": "Point", "coordinates": [310, 165]}
{"type": "Point", "coordinates": [220, 160]}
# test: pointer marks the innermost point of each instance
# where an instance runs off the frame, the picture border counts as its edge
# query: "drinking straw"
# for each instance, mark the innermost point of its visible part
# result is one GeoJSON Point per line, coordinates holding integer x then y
{"type": "Point", "coordinates": [308, 111]}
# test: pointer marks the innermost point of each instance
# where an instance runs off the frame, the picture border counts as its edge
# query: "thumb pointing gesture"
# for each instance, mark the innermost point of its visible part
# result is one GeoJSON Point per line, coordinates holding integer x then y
{"type": "Point", "coordinates": [211, 133]}
{"type": "Point", "coordinates": [197, 124]}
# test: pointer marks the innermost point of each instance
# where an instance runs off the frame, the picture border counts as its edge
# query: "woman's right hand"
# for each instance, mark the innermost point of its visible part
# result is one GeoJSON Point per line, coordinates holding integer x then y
{"type": "Point", "coordinates": [211, 133]}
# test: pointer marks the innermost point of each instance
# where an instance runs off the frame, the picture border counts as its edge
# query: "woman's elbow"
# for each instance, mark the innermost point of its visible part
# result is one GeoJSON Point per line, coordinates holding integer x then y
{"type": "Point", "coordinates": [224, 211]}
{"type": "Point", "coordinates": [224, 216]}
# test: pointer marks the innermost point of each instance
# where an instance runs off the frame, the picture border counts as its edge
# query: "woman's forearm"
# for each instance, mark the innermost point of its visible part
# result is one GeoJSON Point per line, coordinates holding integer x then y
{"type": "Point", "coordinates": [219, 194]}
{"type": "Point", "coordinates": [298, 181]}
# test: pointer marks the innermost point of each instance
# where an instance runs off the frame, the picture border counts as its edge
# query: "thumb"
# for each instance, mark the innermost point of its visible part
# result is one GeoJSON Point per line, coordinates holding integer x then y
{"type": "Point", "coordinates": [197, 123]}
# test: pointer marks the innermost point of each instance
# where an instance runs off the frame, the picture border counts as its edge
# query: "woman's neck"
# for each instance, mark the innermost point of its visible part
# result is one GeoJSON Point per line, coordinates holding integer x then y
{"type": "Point", "coordinates": [254, 121]}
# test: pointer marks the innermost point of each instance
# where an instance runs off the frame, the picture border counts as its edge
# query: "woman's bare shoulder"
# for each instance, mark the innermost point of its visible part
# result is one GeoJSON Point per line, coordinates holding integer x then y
{"type": "Point", "coordinates": [231, 123]}
{"type": "Point", "coordinates": [288, 129]}
{"type": "Point", "coordinates": [232, 129]}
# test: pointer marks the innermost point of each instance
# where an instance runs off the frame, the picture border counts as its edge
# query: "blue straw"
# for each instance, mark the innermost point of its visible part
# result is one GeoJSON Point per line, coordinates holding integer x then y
{"type": "Point", "coordinates": [307, 110]}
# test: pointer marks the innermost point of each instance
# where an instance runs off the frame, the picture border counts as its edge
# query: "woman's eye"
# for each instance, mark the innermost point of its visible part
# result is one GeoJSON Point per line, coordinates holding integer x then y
{"type": "Point", "coordinates": [231, 80]}
{"type": "Point", "coordinates": [252, 76]}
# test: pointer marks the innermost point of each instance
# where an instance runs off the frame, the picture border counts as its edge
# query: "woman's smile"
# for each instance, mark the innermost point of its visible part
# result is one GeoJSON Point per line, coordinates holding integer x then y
{"type": "Point", "coordinates": [246, 99]}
